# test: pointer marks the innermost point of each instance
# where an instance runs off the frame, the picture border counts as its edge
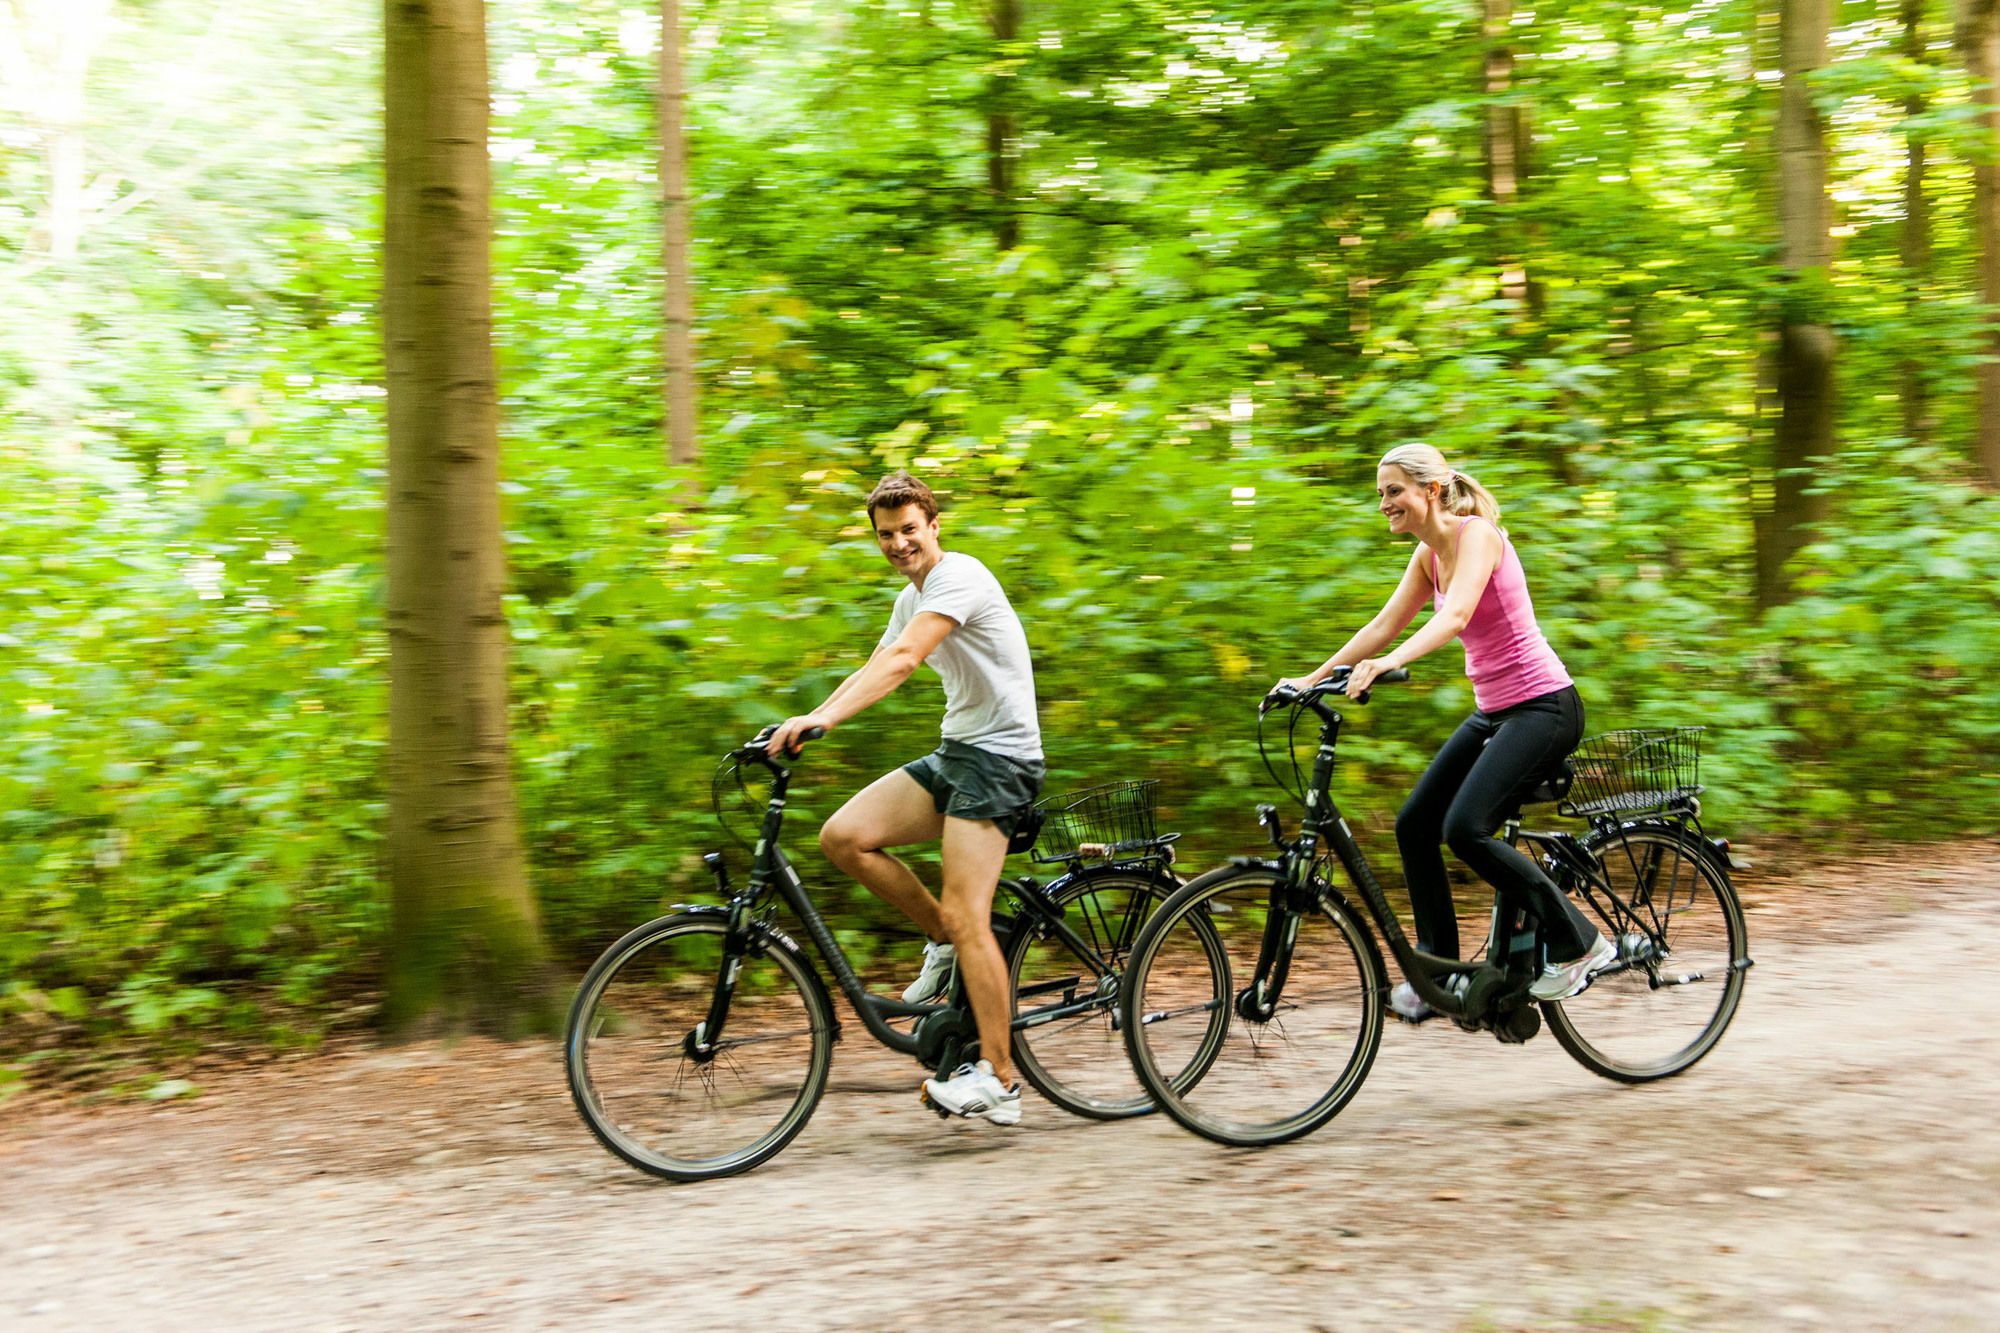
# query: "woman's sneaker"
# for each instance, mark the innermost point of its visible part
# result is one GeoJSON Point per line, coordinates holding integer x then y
{"type": "Point", "coordinates": [1559, 981]}
{"type": "Point", "coordinates": [939, 960]}
{"type": "Point", "coordinates": [1410, 1007]}
{"type": "Point", "coordinates": [974, 1092]}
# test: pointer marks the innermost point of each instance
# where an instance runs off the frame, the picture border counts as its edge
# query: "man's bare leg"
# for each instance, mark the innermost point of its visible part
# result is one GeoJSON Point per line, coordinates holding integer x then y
{"type": "Point", "coordinates": [974, 850]}
{"type": "Point", "coordinates": [892, 811]}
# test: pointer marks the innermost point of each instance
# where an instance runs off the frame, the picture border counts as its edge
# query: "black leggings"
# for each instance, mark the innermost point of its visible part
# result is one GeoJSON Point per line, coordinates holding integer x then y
{"type": "Point", "coordinates": [1460, 799]}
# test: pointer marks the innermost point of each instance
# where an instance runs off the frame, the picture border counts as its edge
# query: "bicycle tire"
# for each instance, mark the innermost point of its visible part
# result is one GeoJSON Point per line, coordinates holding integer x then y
{"type": "Point", "coordinates": [1256, 1064]}
{"type": "Point", "coordinates": [632, 1076]}
{"type": "Point", "coordinates": [1080, 1063]}
{"type": "Point", "coordinates": [1612, 1028]}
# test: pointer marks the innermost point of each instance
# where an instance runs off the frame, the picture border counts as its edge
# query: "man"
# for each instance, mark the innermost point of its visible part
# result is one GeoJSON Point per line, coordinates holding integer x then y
{"type": "Point", "coordinates": [969, 793]}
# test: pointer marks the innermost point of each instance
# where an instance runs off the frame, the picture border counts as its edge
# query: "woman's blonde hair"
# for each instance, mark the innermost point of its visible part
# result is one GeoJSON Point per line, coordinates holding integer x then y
{"type": "Point", "coordinates": [1459, 494]}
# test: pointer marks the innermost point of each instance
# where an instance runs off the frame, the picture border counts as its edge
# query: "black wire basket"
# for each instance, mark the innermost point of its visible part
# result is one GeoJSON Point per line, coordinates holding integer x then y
{"type": "Point", "coordinates": [1636, 771]}
{"type": "Point", "coordinates": [1114, 819]}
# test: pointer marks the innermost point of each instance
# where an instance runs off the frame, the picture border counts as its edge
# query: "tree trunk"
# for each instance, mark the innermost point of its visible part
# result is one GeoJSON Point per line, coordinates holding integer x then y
{"type": "Point", "coordinates": [50, 47]}
{"type": "Point", "coordinates": [678, 329]}
{"type": "Point", "coordinates": [466, 946]}
{"type": "Point", "coordinates": [1805, 347]}
{"type": "Point", "coordinates": [1914, 244]}
{"type": "Point", "coordinates": [1979, 41]}
{"type": "Point", "coordinates": [1506, 153]}
{"type": "Point", "coordinates": [1002, 133]}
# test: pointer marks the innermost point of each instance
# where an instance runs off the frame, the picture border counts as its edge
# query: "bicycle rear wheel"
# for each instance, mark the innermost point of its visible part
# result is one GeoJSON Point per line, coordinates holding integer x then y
{"type": "Point", "coordinates": [1072, 1049]}
{"type": "Point", "coordinates": [1680, 931]}
{"type": "Point", "coordinates": [1267, 1080]}
{"type": "Point", "coordinates": [646, 1086]}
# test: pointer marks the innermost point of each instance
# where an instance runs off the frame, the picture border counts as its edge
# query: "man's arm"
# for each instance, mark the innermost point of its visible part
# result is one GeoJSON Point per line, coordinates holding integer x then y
{"type": "Point", "coordinates": [852, 676]}
{"type": "Point", "coordinates": [884, 671]}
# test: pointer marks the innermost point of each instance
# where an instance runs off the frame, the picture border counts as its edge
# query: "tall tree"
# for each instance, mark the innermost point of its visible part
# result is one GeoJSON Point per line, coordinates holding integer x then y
{"type": "Point", "coordinates": [1979, 41]}
{"type": "Point", "coordinates": [1002, 132]}
{"type": "Point", "coordinates": [46, 47]}
{"type": "Point", "coordinates": [1914, 244]}
{"type": "Point", "coordinates": [1506, 146]}
{"type": "Point", "coordinates": [467, 945]}
{"type": "Point", "coordinates": [1805, 347]}
{"type": "Point", "coordinates": [677, 334]}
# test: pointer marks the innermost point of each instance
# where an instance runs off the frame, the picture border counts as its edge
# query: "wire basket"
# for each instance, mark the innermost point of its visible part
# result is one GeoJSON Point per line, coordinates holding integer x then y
{"type": "Point", "coordinates": [1635, 771]}
{"type": "Point", "coordinates": [1113, 819]}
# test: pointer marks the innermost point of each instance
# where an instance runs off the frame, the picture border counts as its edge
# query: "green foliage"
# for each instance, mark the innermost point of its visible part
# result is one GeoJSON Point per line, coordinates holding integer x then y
{"type": "Point", "coordinates": [1257, 252]}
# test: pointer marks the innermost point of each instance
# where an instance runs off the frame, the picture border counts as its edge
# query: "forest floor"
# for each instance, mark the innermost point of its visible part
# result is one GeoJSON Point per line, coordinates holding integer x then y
{"type": "Point", "coordinates": [1835, 1163]}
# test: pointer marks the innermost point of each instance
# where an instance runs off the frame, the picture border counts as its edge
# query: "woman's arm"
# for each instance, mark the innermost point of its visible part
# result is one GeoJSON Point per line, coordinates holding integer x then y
{"type": "Point", "coordinates": [1412, 591]}
{"type": "Point", "coordinates": [1479, 551]}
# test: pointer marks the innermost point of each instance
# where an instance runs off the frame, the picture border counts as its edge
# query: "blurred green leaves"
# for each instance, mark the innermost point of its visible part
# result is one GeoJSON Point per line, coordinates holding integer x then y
{"type": "Point", "coordinates": [1258, 254]}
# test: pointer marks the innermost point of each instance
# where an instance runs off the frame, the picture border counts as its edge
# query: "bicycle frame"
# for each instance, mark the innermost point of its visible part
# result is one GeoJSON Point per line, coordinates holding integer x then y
{"type": "Point", "coordinates": [1323, 824]}
{"type": "Point", "coordinates": [771, 871]}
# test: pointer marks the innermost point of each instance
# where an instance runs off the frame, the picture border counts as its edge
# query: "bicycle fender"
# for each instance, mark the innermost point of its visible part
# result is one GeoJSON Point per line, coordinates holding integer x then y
{"type": "Point", "coordinates": [765, 936]}
{"type": "Point", "coordinates": [1360, 919]}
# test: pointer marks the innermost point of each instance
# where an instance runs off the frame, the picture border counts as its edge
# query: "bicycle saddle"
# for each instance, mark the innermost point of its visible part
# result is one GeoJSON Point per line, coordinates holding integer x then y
{"type": "Point", "coordinates": [1550, 786]}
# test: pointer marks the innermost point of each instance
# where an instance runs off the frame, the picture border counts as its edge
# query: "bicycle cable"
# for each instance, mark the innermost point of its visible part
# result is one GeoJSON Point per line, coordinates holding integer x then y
{"type": "Point", "coordinates": [729, 768]}
{"type": "Point", "coordinates": [1297, 788]}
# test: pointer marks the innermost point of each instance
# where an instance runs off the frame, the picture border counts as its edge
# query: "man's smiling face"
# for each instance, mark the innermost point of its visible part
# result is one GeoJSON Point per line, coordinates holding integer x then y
{"type": "Point", "coordinates": [909, 539]}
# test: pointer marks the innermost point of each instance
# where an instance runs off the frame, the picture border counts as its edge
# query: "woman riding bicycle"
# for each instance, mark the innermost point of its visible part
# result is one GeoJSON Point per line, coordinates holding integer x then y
{"type": "Point", "coordinates": [1528, 716]}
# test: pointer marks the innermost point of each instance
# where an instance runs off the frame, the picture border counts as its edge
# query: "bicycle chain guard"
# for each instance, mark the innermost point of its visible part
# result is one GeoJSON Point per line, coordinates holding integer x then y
{"type": "Point", "coordinates": [947, 1039]}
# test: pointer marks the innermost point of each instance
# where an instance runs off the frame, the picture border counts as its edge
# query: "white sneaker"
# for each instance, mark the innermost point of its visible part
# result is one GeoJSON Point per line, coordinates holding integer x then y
{"type": "Point", "coordinates": [939, 960]}
{"type": "Point", "coordinates": [1559, 981]}
{"type": "Point", "coordinates": [1411, 1007]}
{"type": "Point", "coordinates": [975, 1093]}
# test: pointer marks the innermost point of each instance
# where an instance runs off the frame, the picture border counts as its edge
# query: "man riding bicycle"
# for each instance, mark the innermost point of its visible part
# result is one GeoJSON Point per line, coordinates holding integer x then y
{"type": "Point", "coordinates": [969, 793]}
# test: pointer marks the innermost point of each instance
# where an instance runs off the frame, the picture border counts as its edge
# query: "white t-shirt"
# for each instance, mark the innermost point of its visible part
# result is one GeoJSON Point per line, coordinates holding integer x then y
{"type": "Point", "coordinates": [989, 684]}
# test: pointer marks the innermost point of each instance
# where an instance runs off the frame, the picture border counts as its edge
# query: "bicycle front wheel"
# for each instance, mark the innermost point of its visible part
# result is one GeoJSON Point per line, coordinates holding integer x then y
{"type": "Point", "coordinates": [1274, 1070]}
{"type": "Point", "coordinates": [1067, 982]}
{"type": "Point", "coordinates": [669, 1103]}
{"type": "Point", "coordinates": [1680, 933]}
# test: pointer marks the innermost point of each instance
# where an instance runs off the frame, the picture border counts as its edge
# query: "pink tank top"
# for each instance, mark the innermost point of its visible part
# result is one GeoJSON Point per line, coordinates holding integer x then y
{"type": "Point", "coordinates": [1506, 656]}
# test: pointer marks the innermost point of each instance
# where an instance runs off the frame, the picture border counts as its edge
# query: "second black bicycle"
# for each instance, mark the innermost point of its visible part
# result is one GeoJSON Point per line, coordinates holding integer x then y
{"type": "Point", "coordinates": [1287, 1020]}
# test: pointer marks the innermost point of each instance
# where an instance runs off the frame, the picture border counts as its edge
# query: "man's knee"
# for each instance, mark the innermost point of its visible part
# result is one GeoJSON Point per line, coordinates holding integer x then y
{"type": "Point", "coordinates": [841, 840]}
{"type": "Point", "coordinates": [961, 920]}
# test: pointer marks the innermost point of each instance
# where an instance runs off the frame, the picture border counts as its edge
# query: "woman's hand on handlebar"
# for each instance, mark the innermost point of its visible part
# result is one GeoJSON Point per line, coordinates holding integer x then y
{"type": "Point", "coordinates": [1363, 674]}
{"type": "Point", "coordinates": [789, 736]}
{"type": "Point", "coordinates": [1296, 684]}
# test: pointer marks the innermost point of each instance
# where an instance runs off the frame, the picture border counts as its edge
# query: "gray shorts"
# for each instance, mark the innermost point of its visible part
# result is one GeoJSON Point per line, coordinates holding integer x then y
{"type": "Point", "coordinates": [967, 782]}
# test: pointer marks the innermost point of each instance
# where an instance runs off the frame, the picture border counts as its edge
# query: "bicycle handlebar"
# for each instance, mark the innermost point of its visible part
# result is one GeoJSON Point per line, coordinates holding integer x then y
{"type": "Point", "coordinates": [1335, 683]}
{"type": "Point", "coordinates": [755, 748]}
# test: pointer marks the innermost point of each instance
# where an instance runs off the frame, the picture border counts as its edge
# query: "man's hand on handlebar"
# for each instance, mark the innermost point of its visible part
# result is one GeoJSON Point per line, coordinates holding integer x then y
{"type": "Point", "coordinates": [785, 741]}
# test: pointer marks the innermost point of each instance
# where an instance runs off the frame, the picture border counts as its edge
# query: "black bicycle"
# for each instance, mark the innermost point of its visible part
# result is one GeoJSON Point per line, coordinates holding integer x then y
{"type": "Point", "coordinates": [700, 1043]}
{"type": "Point", "coordinates": [1288, 1019]}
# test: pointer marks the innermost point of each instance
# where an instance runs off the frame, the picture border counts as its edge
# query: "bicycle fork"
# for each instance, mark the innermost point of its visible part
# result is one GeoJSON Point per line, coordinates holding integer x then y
{"type": "Point", "coordinates": [705, 1037]}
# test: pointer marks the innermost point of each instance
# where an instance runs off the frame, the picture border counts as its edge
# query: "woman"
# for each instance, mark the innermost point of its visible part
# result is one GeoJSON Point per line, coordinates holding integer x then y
{"type": "Point", "coordinates": [1528, 715]}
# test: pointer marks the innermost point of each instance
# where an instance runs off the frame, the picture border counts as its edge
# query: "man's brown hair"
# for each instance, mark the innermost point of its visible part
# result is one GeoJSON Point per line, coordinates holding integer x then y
{"type": "Point", "coordinates": [899, 489]}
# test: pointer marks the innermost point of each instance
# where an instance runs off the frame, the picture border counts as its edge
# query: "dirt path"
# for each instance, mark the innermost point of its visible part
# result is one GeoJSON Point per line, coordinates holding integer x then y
{"type": "Point", "coordinates": [1836, 1163]}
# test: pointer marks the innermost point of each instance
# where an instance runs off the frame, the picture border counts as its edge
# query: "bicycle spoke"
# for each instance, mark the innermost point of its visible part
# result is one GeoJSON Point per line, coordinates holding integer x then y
{"type": "Point", "coordinates": [1639, 1022]}
{"type": "Point", "coordinates": [1261, 1082]}
{"type": "Point", "coordinates": [1069, 1047]}
{"type": "Point", "coordinates": [670, 1111]}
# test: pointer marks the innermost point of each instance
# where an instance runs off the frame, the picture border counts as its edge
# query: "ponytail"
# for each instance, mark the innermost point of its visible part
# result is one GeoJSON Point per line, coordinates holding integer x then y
{"type": "Point", "coordinates": [1457, 492]}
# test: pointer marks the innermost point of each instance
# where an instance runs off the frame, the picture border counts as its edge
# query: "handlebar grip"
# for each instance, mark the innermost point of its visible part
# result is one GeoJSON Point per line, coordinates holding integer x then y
{"type": "Point", "coordinates": [1283, 694]}
{"type": "Point", "coordinates": [763, 738]}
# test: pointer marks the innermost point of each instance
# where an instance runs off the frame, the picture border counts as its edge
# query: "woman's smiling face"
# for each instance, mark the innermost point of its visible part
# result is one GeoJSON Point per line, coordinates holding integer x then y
{"type": "Point", "coordinates": [1404, 503]}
